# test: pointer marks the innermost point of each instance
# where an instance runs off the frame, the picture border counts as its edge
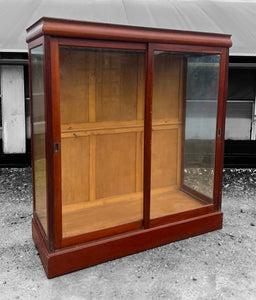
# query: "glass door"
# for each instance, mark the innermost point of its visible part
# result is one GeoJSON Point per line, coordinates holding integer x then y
{"type": "Point", "coordinates": [184, 114]}
{"type": "Point", "coordinates": [102, 137]}
{"type": "Point", "coordinates": [102, 104]}
{"type": "Point", "coordinates": [200, 125]}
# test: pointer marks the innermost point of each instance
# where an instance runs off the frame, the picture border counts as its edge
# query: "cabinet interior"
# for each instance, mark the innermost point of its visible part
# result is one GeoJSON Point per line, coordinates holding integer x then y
{"type": "Point", "coordinates": [102, 96]}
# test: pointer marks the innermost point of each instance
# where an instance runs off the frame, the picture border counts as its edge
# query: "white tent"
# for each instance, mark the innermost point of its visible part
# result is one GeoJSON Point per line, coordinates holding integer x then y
{"type": "Point", "coordinates": [232, 17]}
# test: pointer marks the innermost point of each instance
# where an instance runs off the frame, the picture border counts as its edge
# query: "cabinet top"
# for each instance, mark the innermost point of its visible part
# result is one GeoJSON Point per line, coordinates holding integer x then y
{"type": "Point", "coordinates": [103, 31]}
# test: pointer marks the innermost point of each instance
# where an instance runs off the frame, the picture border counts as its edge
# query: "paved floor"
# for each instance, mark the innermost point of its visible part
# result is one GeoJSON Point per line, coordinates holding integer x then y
{"type": "Point", "coordinates": [217, 265]}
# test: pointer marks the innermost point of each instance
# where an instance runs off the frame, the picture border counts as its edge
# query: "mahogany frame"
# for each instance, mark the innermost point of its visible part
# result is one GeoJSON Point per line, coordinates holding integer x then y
{"type": "Point", "coordinates": [57, 255]}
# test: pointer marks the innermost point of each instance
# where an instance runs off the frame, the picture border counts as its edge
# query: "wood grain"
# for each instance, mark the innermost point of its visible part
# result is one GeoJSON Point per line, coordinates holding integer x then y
{"type": "Point", "coordinates": [74, 86]}
{"type": "Point", "coordinates": [166, 127]}
{"type": "Point", "coordinates": [102, 146]}
{"type": "Point", "coordinates": [75, 258]}
{"type": "Point", "coordinates": [110, 212]}
{"type": "Point", "coordinates": [75, 164]}
{"type": "Point", "coordinates": [71, 28]}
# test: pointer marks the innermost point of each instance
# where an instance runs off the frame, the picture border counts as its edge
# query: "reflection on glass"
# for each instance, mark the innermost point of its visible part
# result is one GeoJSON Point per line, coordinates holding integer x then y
{"type": "Point", "coordinates": [102, 123]}
{"type": "Point", "coordinates": [200, 123]}
{"type": "Point", "coordinates": [180, 78]}
{"type": "Point", "coordinates": [38, 115]}
{"type": "Point", "coordinates": [168, 95]}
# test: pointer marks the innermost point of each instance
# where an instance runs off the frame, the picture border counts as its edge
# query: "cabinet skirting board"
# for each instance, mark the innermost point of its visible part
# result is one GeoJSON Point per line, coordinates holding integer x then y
{"type": "Point", "coordinates": [71, 259]}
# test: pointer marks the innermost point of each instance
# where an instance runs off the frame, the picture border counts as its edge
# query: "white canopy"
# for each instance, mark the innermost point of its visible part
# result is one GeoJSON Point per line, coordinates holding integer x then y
{"type": "Point", "coordinates": [232, 17]}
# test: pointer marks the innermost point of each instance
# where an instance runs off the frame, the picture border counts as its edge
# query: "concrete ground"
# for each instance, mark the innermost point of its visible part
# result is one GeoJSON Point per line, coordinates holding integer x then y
{"type": "Point", "coordinates": [218, 265]}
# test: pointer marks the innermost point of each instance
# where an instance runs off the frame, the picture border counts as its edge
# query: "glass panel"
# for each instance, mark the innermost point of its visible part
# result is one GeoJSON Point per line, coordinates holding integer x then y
{"type": "Point", "coordinates": [175, 76]}
{"type": "Point", "coordinates": [102, 123]}
{"type": "Point", "coordinates": [200, 128]}
{"type": "Point", "coordinates": [38, 115]}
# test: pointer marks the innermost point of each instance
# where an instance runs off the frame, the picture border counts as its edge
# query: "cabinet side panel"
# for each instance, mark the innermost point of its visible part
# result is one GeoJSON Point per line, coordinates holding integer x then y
{"type": "Point", "coordinates": [38, 123]}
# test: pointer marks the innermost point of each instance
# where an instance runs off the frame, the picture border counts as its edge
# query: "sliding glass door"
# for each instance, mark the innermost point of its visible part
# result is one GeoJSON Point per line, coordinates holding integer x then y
{"type": "Point", "coordinates": [184, 118]}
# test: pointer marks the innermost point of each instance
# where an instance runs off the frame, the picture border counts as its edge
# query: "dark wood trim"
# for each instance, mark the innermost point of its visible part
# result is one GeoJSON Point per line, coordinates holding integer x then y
{"type": "Point", "coordinates": [48, 141]}
{"type": "Point", "coordinates": [148, 136]}
{"type": "Point", "coordinates": [220, 140]}
{"type": "Point", "coordinates": [182, 216]}
{"type": "Point", "coordinates": [105, 44]}
{"type": "Point", "coordinates": [80, 29]}
{"type": "Point", "coordinates": [41, 230]}
{"type": "Point", "coordinates": [178, 48]}
{"type": "Point", "coordinates": [71, 259]}
{"type": "Point", "coordinates": [100, 234]}
{"type": "Point", "coordinates": [34, 31]}
{"type": "Point", "coordinates": [56, 138]}
{"type": "Point", "coordinates": [183, 122]}
{"type": "Point", "coordinates": [195, 194]}
{"type": "Point", "coordinates": [40, 244]}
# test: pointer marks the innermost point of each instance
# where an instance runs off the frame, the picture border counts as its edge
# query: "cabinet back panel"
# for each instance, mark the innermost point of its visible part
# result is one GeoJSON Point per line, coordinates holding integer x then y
{"type": "Point", "coordinates": [115, 164]}
{"type": "Point", "coordinates": [74, 86]}
{"type": "Point", "coordinates": [116, 87]}
{"type": "Point", "coordinates": [164, 158]}
{"type": "Point", "coordinates": [75, 163]}
{"type": "Point", "coordinates": [167, 87]}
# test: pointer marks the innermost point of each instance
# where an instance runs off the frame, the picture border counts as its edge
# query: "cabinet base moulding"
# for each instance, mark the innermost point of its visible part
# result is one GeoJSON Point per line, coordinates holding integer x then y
{"type": "Point", "coordinates": [67, 260]}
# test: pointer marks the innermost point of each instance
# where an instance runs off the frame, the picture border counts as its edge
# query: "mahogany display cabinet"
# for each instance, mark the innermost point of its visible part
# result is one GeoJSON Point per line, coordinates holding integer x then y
{"type": "Point", "coordinates": [127, 138]}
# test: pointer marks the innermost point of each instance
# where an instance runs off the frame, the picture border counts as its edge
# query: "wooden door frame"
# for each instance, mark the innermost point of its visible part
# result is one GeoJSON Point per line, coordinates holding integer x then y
{"type": "Point", "coordinates": [55, 43]}
{"type": "Point", "coordinates": [52, 55]}
{"type": "Point", "coordinates": [220, 124]}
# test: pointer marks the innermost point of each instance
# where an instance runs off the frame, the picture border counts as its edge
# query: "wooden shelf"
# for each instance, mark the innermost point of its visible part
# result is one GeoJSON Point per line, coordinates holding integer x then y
{"type": "Point", "coordinates": [114, 212]}
{"type": "Point", "coordinates": [97, 128]}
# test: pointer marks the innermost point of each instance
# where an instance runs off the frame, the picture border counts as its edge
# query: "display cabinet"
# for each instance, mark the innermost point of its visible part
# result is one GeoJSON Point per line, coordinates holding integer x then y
{"type": "Point", "coordinates": [127, 138]}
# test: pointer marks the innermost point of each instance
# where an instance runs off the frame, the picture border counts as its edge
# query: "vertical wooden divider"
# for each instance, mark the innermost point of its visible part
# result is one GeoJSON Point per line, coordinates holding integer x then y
{"type": "Point", "coordinates": [140, 116]}
{"type": "Point", "coordinates": [49, 111]}
{"type": "Point", "coordinates": [219, 148]}
{"type": "Point", "coordinates": [183, 118]}
{"type": "Point", "coordinates": [140, 91]}
{"type": "Point", "coordinates": [180, 120]}
{"type": "Point", "coordinates": [56, 138]}
{"type": "Point", "coordinates": [148, 136]}
{"type": "Point", "coordinates": [92, 191]}
{"type": "Point", "coordinates": [92, 86]}
{"type": "Point", "coordinates": [92, 118]}
{"type": "Point", "coordinates": [138, 162]}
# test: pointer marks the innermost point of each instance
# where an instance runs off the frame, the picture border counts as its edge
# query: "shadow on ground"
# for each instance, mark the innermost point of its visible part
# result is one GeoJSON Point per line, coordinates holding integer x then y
{"type": "Point", "coordinates": [217, 265]}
